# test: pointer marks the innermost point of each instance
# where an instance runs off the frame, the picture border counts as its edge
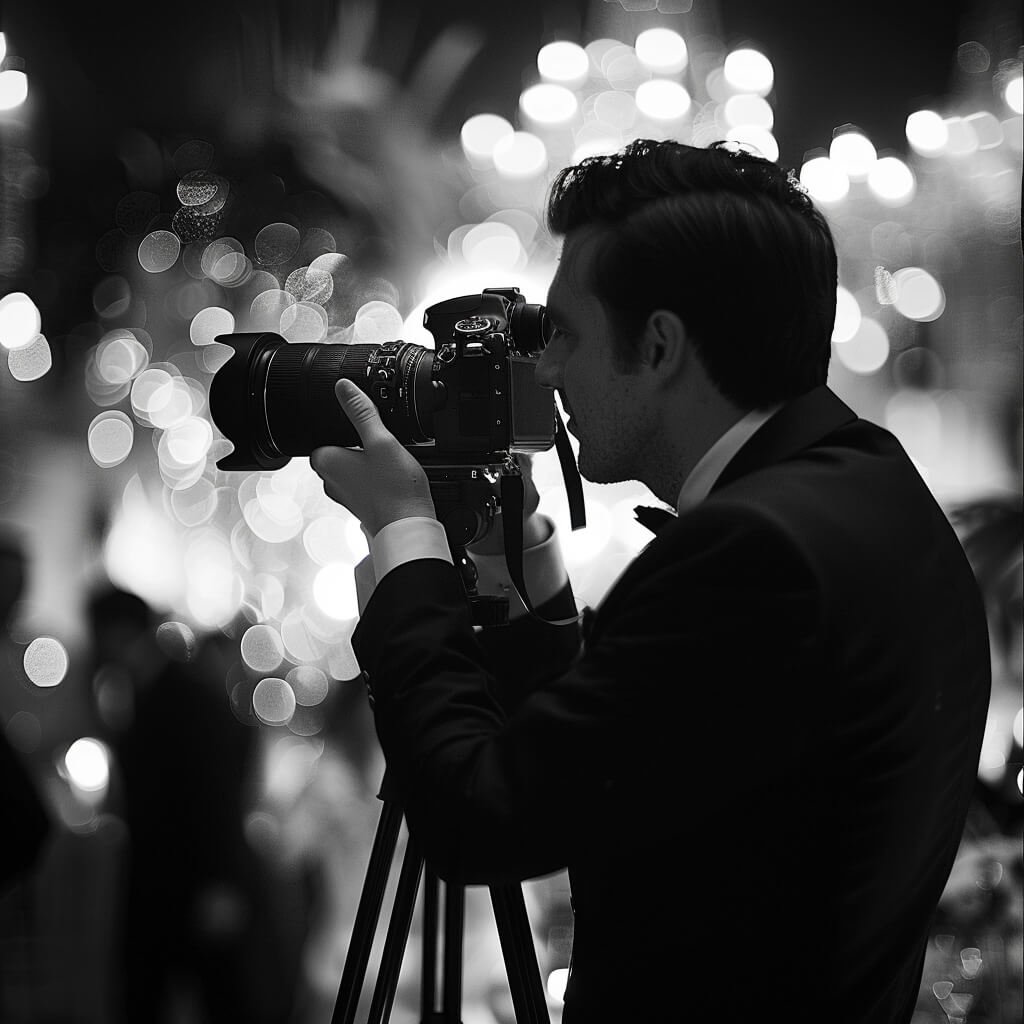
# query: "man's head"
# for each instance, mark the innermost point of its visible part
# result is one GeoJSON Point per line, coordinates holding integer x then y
{"type": "Point", "coordinates": [708, 268]}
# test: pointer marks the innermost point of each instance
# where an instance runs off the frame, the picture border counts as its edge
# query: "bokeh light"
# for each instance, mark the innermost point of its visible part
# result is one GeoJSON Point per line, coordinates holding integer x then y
{"type": "Point", "coordinates": [158, 251]}
{"type": "Point", "coordinates": [481, 133]}
{"type": "Point", "coordinates": [334, 590]}
{"type": "Point", "coordinates": [31, 361]}
{"type": "Point", "coordinates": [748, 70]}
{"type": "Point", "coordinates": [854, 153]}
{"type": "Point", "coordinates": [20, 321]}
{"type": "Point", "coordinates": [1013, 94]}
{"type": "Point", "coordinates": [87, 762]}
{"type": "Point", "coordinates": [210, 322]}
{"type": "Point", "coordinates": [309, 684]}
{"type": "Point", "coordinates": [273, 701]}
{"type": "Point", "coordinates": [892, 181]}
{"type": "Point", "coordinates": [919, 296]}
{"type": "Point", "coordinates": [748, 109]}
{"type": "Point", "coordinates": [826, 182]}
{"type": "Point", "coordinates": [520, 155]}
{"type": "Point", "coordinates": [661, 50]}
{"type": "Point", "coordinates": [662, 99]}
{"type": "Point", "coordinates": [927, 132]}
{"type": "Point", "coordinates": [13, 89]}
{"type": "Point", "coordinates": [867, 351]}
{"type": "Point", "coordinates": [752, 137]}
{"type": "Point", "coordinates": [45, 661]}
{"type": "Point", "coordinates": [548, 103]}
{"type": "Point", "coordinates": [848, 316]}
{"type": "Point", "coordinates": [563, 62]}
{"type": "Point", "coordinates": [110, 438]}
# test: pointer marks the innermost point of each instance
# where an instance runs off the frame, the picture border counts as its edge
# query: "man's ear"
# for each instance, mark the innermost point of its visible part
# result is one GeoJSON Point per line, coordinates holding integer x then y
{"type": "Point", "coordinates": [665, 347]}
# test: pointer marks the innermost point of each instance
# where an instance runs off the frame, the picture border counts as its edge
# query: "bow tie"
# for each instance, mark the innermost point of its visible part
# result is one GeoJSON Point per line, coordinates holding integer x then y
{"type": "Point", "coordinates": [653, 518]}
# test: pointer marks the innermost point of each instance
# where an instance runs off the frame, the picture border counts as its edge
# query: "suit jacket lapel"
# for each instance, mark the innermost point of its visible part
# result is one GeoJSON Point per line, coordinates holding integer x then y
{"type": "Point", "coordinates": [797, 425]}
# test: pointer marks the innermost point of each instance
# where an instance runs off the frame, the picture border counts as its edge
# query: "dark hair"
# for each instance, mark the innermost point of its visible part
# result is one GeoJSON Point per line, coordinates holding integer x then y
{"type": "Point", "coordinates": [727, 240]}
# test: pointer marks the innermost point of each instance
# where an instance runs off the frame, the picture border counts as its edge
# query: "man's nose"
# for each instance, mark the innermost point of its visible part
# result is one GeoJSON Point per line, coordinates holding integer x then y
{"type": "Point", "coordinates": [547, 372]}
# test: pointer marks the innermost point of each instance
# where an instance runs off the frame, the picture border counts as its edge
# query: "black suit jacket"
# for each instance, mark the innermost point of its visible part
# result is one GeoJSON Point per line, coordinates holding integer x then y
{"type": "Point", "coordinates": [758, 767]}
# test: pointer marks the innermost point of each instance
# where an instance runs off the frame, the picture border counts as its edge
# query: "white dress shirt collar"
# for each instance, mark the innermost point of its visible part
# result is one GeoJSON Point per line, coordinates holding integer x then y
{"type": "Point", "coordinates": [698, 484]}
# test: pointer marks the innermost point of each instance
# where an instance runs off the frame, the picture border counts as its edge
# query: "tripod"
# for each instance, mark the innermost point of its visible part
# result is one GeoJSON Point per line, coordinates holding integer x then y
{"type": "Point", "coordinates": [509, 908]}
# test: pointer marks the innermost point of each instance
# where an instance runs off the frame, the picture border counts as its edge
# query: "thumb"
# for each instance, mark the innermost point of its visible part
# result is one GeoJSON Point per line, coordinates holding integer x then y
{"type": "Point", "coordinates": [359, 408]}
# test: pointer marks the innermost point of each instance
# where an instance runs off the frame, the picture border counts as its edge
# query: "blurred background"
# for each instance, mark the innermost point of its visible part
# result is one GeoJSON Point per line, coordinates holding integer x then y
{"type": "Point", "coordinates": [178, 684]}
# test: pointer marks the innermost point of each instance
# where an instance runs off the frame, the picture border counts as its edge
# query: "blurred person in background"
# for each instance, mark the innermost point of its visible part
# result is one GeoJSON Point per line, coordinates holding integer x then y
{"type": "Point", "coordinates": [195, 935]}
{"type": "Point", "coordinates": [25, 820]}
{"type": "Point", "coordinates": [758, 765]}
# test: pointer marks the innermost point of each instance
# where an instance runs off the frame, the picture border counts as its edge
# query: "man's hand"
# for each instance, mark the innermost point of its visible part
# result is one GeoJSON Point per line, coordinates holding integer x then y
{"type": "Point", "coordinates": [383, 482]}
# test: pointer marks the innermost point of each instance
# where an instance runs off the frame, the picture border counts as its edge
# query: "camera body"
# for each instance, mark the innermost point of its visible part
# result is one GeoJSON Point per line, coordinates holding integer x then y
{"type": "Point", "coordinates": [472, 400]}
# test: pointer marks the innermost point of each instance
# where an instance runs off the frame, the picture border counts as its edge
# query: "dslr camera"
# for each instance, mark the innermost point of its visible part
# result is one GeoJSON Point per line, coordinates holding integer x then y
{"type": "Point", "coordinates": [464, 409]}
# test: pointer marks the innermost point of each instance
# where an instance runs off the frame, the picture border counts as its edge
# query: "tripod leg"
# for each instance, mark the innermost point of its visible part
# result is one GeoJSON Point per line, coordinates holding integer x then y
{"type": "Point", "coordinates": [520, 956]}
{"type": "Point", "coordinates": [397, 935]}
{"type": "Point", "coordinates": [428, 984]}
{"type": "Point", "coordinates": [367, 914]}
{"type": "Point", "coordinates": [454, 921]}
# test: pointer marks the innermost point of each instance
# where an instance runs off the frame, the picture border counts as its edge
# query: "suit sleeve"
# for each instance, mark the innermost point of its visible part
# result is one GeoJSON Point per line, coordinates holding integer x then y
{"type": "Point", "coordinates": [496, 798]}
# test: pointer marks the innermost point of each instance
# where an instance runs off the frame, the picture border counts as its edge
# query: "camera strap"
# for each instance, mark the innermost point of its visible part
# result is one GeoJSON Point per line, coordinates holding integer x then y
{"type": "Point", "coordinates": [512, 516]}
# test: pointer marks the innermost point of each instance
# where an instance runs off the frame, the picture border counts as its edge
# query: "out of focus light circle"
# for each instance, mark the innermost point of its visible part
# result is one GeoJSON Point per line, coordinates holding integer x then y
{"type": "Point", "coordinates": [376, 322]}
{"type": "Point", "coordinates": [745, 108]}
{"type": "Point", "coordinates": [615, 108]}
{"type": "Point", "coordinates": [324, 540]}
{"type": "Point", "coordinates": [854, 153]}
{"type": "Point", "coordinates": [189, 441]}
{"type": "Point", "coordinates": [20, 321]}
{"type": "Point", "coordinates": [482, 132]}
{"type": "Point", "coordinates": [892, 181]}
{"type": "Point", "coordinates": [520, 155]}
{"type": "Point", "coordinates": [304, 323]}
{"type": "Point", "coordinates": [110, 438]}
{"type": "Point", "coordinates": [848, 316]}
{"type": "Point", "coordinates": [918, 295]}
{"type": "Point", "coordinates": [492, 244]}
{"type": "Point", "coordinates": [1018, 727]}
{"type": "Point", "coordinates": [261, 648]}
{"type": "Point", "coordinates": [31, 361]}
{"type": "Point", "coordinates": [927, 132]}
{"type": "Point", "coordinates": [662, 99]}
{"type": "Point", "coordinates": [867, 350]}
{"type": "Point", "coordinates": [13, 89]}
{"type": "Point", "coordinates": [759, 139]}
{"type": "Point", "coordinates": [557, 980]}
{"type": "Point", "coordinates": [548, 103]}
{"type": "Point", "coordinates": [88, 765]}
{"type": "Point", "coordinates": [1014, 94]}
{"type": "Point", "coordinates": [210, 322]}
{"type": "Point", "coordinates": [661, 50]}
{"type": "Point", "coordinates": [158, 251]}
{"type": "Point", "coordinates": [334, 590]}
{"type": "Point", "coordinates": [749, 71]}
{"type": "Point", "coordinates": [309, 684]}
{"type": "Point", "coordinates": [273, 701]}
{"type": "Point", "coordinates": [824, 179]}
{"type": "Point", "coordinates": [267, 308]}
{"type": "Point", "coordinates": [177, 640]}
{"type": "Point", "coordinates": [563, 62]}
{"type": "Point", "coordinates": [121, 356]}
{"type": "Point", "coordinates": [276, 244]}
{"type": "Point", "coordinates": [46, 661]}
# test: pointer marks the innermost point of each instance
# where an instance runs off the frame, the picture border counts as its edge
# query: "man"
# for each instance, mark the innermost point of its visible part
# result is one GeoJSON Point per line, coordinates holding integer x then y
{"type": "Point", "coordinates": [758, 767]}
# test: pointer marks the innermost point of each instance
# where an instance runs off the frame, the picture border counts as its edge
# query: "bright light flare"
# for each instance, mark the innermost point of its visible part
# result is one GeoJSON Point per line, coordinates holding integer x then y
{"type": "Point", "coordinates": [376, 322]}
{"type": "Point", "coordinates": [548, 103]}
{"type": "Point", "coordinates": [759, 139]}
{"type": "Point", "coordinates": [919, 296]}
{"type": "Point", "coordinates": [334, 590]}
{"type": "Point", "coordinates": [20, 321]}
{"type": "Point", "coordinates": [748, 109]}
{"type": "Point", "coordinates": [492, 244]}
{"type": "Point", "coordinates": [661, 50]}
{"type": "Point", "coordinates": [662, 99]}
{"type": "Point", "coordinates": [557, 980]}
{"type": "Point", "coordinates": [748, 70]}
{"type": "Point", "coordinates": [13, 89]}
{"type": "Point", "coordinates": [87, 762]}
{"type": "Point", "coordinates": [481, 133]}
{"type": "Point", "coordinates": [520, 155]}
{"type": "Point", "coordinates": [1013, 94]}
{"type": "Point", "coordinates": [867, 351]}
{"type": "Point", "coordinates": [563, 62]}
{"type": "Point", "coordinates": [825, 180]}
{"type": "Point", "coordinates": [927, 132]}
{"type": "Point", "coordinates": [892, 181]}
{"type": "Point", "coordinates": [848, 316]}
{"type": "Point", "coordinates": [854, 153]}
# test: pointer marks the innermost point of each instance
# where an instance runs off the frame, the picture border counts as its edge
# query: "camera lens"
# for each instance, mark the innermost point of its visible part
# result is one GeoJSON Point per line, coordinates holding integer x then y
{"type": "Point", "coordinates": [275, 400]}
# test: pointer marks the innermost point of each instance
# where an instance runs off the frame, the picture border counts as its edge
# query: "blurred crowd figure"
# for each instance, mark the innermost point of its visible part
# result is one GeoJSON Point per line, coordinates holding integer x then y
{"type": "Point", "coordinates": [199, 939]}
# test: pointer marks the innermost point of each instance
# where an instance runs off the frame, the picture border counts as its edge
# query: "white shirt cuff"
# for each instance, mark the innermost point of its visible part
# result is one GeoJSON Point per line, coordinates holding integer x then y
{"type": "Point", "coordinates": [406, 540]}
